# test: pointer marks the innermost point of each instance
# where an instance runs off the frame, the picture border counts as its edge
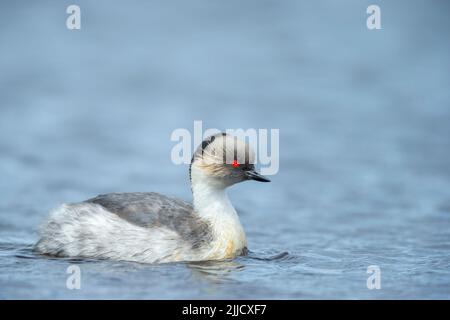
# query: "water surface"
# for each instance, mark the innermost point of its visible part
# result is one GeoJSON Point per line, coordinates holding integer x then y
{"type": "Point", "coordinates": [364, 140]}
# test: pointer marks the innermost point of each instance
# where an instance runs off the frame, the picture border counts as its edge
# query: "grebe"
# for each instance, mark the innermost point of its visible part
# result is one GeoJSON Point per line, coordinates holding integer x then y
{"type": "Point", "coordinates": [154, 228]}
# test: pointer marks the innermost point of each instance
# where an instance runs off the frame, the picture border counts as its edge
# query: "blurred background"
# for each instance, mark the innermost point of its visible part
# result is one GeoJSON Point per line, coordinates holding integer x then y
{"type": "Point", "coordinates": [363, 115]}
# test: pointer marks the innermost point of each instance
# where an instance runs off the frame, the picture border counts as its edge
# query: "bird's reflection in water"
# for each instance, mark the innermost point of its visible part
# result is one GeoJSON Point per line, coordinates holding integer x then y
{"type": "Point", "coordinates": [223, 271]}
{"type": "Point", "coordinates": [215, 271]}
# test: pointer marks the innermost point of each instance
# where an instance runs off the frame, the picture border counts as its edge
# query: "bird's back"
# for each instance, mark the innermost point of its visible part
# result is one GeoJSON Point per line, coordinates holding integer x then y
{"type": "Point", "coordinates": [145, 208]}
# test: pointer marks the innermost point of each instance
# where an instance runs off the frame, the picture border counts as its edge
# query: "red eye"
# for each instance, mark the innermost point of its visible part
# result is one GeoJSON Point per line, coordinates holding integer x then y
{"type": "Point", "coordinates": [235, 163]}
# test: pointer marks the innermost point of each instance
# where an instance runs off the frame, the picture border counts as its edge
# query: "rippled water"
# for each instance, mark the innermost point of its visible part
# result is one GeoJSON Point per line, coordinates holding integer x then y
{"type": "Point", "coordinates": [364, 140]}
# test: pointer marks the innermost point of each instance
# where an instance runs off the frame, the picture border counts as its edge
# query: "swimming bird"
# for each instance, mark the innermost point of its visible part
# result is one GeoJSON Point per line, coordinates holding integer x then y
{"type": "Point", "coordinates": [150, 227]}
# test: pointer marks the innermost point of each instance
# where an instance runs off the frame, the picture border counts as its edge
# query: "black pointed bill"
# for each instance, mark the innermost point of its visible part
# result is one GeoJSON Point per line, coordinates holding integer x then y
{"type": "Point", "coordinates": [253, 175]}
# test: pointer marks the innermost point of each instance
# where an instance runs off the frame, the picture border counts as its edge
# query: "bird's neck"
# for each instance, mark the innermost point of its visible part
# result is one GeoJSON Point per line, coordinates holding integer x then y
{"type": "Point", "coordinates": [211, 203]}
{"type": "Point", "coordinates": [211, 199]}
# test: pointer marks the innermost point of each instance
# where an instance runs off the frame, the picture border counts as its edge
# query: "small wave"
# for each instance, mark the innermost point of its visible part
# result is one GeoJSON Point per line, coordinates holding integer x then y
{"type": "Point", "coordinates": [17, 250]}
{"type": "Point", "coordinates": [280, 256]}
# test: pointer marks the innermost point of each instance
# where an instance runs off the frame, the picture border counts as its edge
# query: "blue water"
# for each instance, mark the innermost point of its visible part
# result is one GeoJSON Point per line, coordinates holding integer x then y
{"type": "Point", "coordinates": [364, 119]}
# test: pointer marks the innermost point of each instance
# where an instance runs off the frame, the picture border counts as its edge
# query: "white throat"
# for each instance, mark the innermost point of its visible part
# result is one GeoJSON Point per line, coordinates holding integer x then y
{"type": "Point", "coordinates": [210, 197]}
{"type": "Point", "coordinates": [211, 202]}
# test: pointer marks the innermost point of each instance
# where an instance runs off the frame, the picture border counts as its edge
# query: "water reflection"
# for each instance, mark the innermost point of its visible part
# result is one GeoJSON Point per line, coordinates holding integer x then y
{"type": "Point", "coordinates": [215, 271]}
{"type": "Point", "coordinates": [226, 270]}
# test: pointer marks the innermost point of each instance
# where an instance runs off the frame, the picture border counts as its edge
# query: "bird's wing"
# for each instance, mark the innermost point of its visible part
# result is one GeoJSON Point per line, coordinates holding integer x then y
{"type": "Point", "coordinates": [146, 208]}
